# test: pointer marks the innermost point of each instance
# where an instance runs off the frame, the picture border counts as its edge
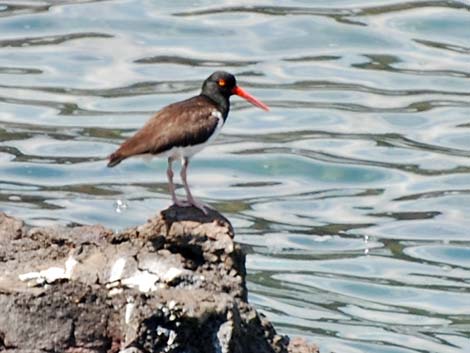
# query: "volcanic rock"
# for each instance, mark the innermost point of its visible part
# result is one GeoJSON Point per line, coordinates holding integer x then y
{"type": "Point", "coordinates": [174, 284]}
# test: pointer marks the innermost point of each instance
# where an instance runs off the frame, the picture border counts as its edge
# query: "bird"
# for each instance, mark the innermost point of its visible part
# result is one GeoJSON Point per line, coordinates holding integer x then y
{"type": "Point", "coordinates": [182, 129]}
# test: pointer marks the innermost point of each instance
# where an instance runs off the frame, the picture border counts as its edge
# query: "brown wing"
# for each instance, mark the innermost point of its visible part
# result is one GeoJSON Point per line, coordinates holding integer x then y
{"type": "Point", "coordinates": [185, 123]}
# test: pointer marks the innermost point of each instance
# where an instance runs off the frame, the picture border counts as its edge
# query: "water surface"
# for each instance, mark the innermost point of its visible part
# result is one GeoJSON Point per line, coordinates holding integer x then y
{"type": "Point", "coordinates": [351, 196]}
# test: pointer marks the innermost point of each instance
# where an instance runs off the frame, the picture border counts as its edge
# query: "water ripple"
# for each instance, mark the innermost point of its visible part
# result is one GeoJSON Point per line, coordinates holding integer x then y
{"type": "Point", "coordinates": [446, 46]}
{"type": "Point", "coordinates": [49, 40]}
{"type": "Point", "coordinates": [337, 13]}
{"type": "Point", "coordinates": [351, 196]}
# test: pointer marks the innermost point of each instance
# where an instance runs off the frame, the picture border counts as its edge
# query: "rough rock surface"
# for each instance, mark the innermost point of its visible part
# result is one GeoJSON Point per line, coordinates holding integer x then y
{"type": "Point", "coordinates": [174, 284]}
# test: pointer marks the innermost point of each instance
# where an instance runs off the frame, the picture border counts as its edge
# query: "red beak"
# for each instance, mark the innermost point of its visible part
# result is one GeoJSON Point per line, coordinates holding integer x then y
{"type": "Point", "coordinates": [244, 94]}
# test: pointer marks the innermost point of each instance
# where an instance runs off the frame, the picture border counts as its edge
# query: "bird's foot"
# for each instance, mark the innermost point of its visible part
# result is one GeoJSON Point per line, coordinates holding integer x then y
{"type": "Point", "coordinates": [192, 202]}
{"type": "Point", "coordinates": [199, 205]}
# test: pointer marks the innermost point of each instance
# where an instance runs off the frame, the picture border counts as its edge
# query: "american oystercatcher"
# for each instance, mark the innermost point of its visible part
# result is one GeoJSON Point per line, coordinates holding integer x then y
{"type": "Point", "coordinates": [182, 129]}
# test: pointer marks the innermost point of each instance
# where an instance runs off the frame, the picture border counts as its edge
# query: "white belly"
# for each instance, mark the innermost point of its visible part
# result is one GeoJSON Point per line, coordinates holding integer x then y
{"type": "Point", "coordinates": [180, 152]}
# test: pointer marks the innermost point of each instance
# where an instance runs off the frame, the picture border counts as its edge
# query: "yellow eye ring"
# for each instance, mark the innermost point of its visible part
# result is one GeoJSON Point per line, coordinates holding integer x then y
{"type": "Point", "coordinates": [221, 82]}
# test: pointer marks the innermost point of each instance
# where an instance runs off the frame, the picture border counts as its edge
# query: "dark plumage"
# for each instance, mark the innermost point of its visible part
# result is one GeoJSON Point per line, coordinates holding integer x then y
{"type": "Point", "coordinates": [182, 129]}
{"type": "Point", "coordinates": [182, 124]}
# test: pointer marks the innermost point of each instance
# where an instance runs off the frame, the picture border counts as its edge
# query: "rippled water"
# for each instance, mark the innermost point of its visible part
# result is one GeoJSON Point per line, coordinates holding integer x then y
{"type": "Point", "coordinates": [351, 196]}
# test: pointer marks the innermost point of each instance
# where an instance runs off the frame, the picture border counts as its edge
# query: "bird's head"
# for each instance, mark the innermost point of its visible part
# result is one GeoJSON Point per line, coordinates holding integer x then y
{"type": "Point", "coordinates": [225, 84]}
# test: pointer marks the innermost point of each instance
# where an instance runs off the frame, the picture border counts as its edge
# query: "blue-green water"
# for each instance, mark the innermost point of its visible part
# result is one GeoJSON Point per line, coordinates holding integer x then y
{"type": "Point", "coordinates": [351, 196]}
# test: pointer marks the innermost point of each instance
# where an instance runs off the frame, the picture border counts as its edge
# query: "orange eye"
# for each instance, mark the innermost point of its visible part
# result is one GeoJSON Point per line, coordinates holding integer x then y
{"type": "Point", "coordinates": [221, 82]}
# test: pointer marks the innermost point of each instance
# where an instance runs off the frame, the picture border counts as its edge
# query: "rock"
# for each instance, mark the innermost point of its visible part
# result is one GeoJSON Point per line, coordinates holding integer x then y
{"type": "Point", "coordinates": [174, 284]}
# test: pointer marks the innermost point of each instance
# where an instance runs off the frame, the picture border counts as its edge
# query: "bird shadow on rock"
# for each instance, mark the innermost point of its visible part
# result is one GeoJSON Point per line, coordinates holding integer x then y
{"type": "Point", "coordinates": [192, 214]}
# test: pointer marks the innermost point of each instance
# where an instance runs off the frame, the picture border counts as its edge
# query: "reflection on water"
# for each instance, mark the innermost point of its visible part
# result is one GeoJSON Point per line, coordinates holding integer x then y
{"type": "Point", "coordinates": [351, 196]}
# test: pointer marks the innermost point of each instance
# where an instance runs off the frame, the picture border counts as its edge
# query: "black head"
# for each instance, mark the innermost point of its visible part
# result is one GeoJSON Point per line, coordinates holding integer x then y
{"type": "Point", "coordinates": [221, 85]}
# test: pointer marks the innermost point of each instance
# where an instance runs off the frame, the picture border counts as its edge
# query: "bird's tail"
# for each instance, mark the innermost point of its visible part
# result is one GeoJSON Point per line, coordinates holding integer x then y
{"type": "Point", "coordinates": [114, 159]}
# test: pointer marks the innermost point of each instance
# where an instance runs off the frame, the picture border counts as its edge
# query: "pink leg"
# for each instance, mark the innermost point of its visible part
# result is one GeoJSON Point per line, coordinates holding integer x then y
{"type": "Point", "coordinates": [191, 200]}
{"type": "Point", "coordinates": [171, 185]}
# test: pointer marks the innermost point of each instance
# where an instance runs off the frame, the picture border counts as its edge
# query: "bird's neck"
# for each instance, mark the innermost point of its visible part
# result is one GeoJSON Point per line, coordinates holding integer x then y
{"type": "Point", "coordinates": [222, 103]}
